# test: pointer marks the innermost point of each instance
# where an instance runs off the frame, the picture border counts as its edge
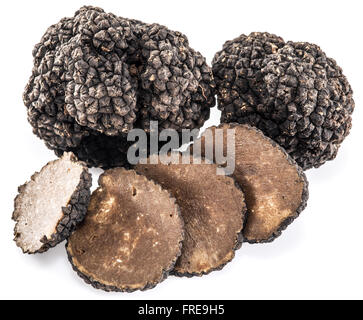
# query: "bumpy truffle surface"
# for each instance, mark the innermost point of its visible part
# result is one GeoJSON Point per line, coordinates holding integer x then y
{"type": "Point", "coordinates": [100, 74]}
{"type": "Point", "coordinates": [99, 150]}
{"type": "Point", "coordinates": [291, 91]}
{"type": "Point", "coordinates": [131, 236]}
{"type": "Point", "coordinates": [51, 204]}
{"type": "Point", "coordinates": [213, 210]}
{"type": "Point", "coordinates": [275, 187]}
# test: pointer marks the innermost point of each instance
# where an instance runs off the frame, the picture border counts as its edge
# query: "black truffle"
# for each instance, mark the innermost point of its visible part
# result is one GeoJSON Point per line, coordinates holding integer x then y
{"type": "Point", "coordinates": [291, 91]}
{"type": "Point", "coordinates": [132, 234]}
{"type": "Point", "coordinates": [51, 204]}
{"type": "Point", "coordinates": [275, 187]}
{"type": "Point", "coordinates": [99, 74]}
{"type": "Point", "coordinates": [99, 150]}
{"type": "Point", "coordinates": [213, 210]}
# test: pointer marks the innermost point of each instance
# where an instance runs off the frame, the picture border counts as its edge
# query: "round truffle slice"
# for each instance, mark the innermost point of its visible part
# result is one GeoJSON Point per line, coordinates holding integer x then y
{"type": "Point", "coordinates": [131, 236]}
{"type": "Point", "coordinates": [275, 187]}
{"type": "Point", "coordinates": [51, 204]}
{"type": "Point", "coordinates": [213, 210]}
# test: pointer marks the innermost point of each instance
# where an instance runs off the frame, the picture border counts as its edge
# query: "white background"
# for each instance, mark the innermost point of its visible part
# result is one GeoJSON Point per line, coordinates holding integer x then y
{"type": "Point", "coordinates": [318, 256]}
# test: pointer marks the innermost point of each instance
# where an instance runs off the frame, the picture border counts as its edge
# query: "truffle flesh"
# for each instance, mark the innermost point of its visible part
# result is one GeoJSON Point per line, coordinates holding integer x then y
{"type": "Point", "coordinates": [131, 236]}
{"type": "Point", "coordinates": [51, 204]}
{"type": "Point", "coordinates": [275, 187]}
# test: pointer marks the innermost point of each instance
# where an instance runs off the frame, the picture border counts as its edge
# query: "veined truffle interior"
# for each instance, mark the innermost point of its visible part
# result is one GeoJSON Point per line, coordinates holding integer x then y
{"type": "Point", "coordinates": [131, 234]}
{"type": "Point", "coordinates": [39, 205]}
{"type": "Point", "coordinates": [271, 182]}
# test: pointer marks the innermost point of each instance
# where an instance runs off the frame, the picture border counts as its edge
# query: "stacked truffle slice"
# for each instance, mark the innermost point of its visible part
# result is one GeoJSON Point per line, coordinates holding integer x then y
{"type": "Point", "coordinates": [275, 187]}
{"type": "Point", "coordinates": [213, 209]}
{"type": "Point", "coordinates": [132, 234]}
{"type": "Point", "coordinates": [165, 217]}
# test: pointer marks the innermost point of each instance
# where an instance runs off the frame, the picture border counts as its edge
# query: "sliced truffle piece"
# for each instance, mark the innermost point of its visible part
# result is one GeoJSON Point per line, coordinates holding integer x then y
{"type": "Point", "coordinates": [291, 91]}
{"type": "Point", "coordinates": [131, 236]}
{"type": "Point", "coordinates": [275, 187]}
{"type": "Point", "coordinates": [213, 210]}
{"type": "Point", "coordinates": [51, 204]}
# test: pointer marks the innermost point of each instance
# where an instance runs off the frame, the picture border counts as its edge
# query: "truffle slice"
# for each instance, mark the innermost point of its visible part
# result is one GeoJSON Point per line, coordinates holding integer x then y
{"type": "Point", "coordinates": [131, 236]}
{"type": "Point", "coordinates": [275, 187]}
{"type": "Point", "coordinates": [213, 210]}
{"type": "Point", "coordinates": [51, 204]}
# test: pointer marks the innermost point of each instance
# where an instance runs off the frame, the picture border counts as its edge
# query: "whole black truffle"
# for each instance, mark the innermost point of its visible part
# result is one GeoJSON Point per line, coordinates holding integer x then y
{"type": "Point", "coordinates": [291, 91]}
{"type": "Point", "coordinates": [97, 74]}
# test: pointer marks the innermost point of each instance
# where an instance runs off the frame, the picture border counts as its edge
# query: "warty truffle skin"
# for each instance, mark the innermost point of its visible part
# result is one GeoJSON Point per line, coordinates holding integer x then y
{"type": "Point", "coordinates": [100, 74]}
{"type": "Point", "coordinates": [290, 90]}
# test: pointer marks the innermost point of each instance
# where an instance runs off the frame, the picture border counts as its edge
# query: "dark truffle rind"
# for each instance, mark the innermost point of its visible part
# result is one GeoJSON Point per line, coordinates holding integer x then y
{"type": "Point", "coordinates": [193, 261]}
{"type": "Point", "coordinates": [99, 150]}
{"type": "Point", "coordinates": [291, 91]}
{"type": "Point", "coordinates": [165, 272]}
{"type": "Point", "coordinates": [73, 213]}
{"type": "Point", "coordinates": [96, 76]}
